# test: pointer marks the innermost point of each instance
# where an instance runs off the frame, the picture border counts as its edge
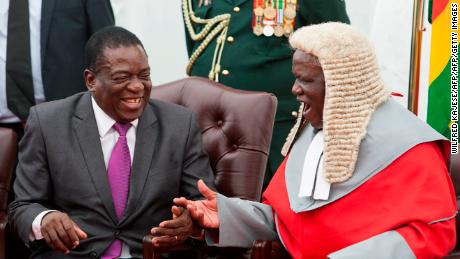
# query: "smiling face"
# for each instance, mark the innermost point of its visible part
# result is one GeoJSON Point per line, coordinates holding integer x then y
{"type": "Point", "coordinates": [121, 83]}
{"type": "Point", "coordinates": [309, 86]}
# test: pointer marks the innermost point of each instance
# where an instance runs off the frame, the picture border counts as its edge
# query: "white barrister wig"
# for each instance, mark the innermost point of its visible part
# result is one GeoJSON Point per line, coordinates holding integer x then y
{"type": "Point", "coordinates": [354, 89]}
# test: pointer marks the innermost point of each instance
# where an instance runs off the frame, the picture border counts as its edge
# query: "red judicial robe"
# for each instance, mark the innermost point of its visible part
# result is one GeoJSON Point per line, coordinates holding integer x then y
{"type": "Point", "coordinates": [413, 196]}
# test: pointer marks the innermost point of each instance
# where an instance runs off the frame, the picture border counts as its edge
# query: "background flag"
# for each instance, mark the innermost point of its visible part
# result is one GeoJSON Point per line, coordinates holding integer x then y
{"type": "Point", "coordinates": [438, 113]}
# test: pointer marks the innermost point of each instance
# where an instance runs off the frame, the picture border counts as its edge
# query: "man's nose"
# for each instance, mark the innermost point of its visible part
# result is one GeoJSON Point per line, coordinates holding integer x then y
{"type": "Point", "coordinates": [296, 90]}
{"type": "Point", "coordinates": [136, 85]}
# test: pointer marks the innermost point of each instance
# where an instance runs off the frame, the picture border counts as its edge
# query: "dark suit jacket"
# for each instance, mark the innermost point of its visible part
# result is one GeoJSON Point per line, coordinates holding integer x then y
{"type": "Point", "coordinates": [61, 167]}
{"type": "Point", "coordinates": [66, 25]}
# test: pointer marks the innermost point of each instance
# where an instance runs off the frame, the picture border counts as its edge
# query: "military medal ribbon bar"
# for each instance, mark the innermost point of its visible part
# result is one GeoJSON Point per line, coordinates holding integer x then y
{"type": "Point", "coordinates": [273, 17]}
{"type": "Point", "coordinates": [257, 16]}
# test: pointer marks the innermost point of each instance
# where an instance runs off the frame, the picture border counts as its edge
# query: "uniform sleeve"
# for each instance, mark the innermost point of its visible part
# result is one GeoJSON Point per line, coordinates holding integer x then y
{"type": "Point", "coordinates": [242, 222]}
{"type": "Point", "coordinates": [99, 14]}
{"type": "Point", "coordinates": [188, 39]}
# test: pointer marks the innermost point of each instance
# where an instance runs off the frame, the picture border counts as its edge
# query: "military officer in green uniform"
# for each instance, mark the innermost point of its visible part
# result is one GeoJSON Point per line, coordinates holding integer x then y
{"type": "Point", "coordinates": [243, 44]}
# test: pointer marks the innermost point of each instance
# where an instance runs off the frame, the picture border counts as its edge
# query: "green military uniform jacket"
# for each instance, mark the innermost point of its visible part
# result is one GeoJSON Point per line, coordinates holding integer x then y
{"type": "Point", "coordinates": [260, 63]}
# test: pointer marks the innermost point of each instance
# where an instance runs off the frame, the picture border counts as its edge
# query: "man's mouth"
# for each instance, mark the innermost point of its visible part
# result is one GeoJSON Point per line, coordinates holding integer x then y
{"type": "Point", "coordinates": [306, 109]}
{"type": "Point", "coordinates": [132, 104]}
{"type": "Point", "coordinates": [132, 100]}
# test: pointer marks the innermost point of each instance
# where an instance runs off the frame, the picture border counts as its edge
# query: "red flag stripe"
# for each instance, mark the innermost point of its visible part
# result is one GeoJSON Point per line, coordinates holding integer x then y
{"type": "Point", "coordinates": [438, 8]}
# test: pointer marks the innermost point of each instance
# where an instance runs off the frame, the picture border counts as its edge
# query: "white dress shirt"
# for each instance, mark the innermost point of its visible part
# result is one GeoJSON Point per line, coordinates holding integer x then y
{"type": "Point", "coordinates": [109, 137]}
{"type": "Point", "coordinates": [35, 11]}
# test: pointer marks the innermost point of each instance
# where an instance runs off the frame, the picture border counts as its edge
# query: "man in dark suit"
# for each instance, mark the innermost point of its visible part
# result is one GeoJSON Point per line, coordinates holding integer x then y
{"type": "Point", "coordinates": [75, 186]}
{"type": "Point", "coordinates": [43, 58]}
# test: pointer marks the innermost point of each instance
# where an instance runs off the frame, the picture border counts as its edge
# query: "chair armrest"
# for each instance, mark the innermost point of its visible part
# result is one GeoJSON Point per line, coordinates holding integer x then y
{"type": "Point", "coordinates": [147, 247]}
{"type": "Point", "coordinates": [153, 252]}
{"type": "Point", "coordinates": [454, 255]}
{"type": "Point", "coordinates": [192, 249]}
{"type": "Point", "coordinates": [3, 222]}
{"type": "Point", "coordinates": [269, 249]}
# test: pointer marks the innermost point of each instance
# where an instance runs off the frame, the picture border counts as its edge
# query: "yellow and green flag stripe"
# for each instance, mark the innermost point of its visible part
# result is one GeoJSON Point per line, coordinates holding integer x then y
{"type": "Point", "coordinates": [438, 114]}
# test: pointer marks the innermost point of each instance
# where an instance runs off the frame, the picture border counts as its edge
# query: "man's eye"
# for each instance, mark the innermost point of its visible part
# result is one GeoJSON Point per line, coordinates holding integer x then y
{"type": "Point", "coordinates": [304, 82]}
{"type": "Point", "coordinates": [145, 77]}
{"type": "Point", "coordinates": [120, 79]}
{"type": "Point", "coordinates": [301, 82]}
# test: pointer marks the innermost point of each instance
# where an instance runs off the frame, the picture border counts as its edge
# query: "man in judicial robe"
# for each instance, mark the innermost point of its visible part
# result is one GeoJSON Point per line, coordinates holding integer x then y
{"type": "Point", "coordinates": [363, 177]}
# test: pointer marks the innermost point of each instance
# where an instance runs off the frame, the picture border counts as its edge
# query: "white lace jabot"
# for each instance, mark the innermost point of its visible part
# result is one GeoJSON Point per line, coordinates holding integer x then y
{"type": "Point", "coordinates": [313, 181]}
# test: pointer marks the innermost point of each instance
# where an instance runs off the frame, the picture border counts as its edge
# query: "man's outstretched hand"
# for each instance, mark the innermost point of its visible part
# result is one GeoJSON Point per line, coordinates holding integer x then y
{"type": "Point", "coordinates": [60, 232]}
{"type": "Point", "coordinates": [184, 222]}
{"type": "Point", "coordinates": [203, 212]}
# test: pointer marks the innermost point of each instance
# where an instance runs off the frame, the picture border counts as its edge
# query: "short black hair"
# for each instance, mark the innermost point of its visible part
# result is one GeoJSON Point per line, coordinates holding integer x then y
{"type": "Point", "coordinates": [108, 37]}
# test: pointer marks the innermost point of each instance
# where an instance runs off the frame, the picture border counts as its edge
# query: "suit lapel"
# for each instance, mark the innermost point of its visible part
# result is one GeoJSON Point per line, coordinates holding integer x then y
{"type": "Point", "coordinates": [146, 137]}
{"type": "Point", "coordinates": [47, 13]}
{"type": "Point", "coordinates": [85, 128]}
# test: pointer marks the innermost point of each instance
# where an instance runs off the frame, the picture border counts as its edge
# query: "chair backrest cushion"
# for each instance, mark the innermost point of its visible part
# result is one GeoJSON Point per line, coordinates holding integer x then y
{"type": "Point", "coordinates": [236, 126]}
{"type": "Point", "coordinates": [8, 152]}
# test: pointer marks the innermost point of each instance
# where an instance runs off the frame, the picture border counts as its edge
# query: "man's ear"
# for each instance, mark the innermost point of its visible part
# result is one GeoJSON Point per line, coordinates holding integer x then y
{"type": "Point", "coordinates": [90, 79]}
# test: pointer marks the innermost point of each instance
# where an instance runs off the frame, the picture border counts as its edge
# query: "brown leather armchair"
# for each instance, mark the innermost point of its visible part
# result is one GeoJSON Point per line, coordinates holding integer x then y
{"type": "Point", "coordinates": [8, 151]}
{"type": "Point", "coordinates": [236, 127]}
{"type": "Point", "coordinates": [269, 249]}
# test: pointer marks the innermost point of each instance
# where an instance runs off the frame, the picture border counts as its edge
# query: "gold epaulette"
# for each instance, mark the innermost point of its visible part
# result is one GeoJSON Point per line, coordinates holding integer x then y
{"type": "Point", "coordinates": [212, 27]}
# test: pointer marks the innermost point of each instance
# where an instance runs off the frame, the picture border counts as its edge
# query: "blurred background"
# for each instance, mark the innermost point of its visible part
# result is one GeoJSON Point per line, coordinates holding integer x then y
{"type": "Point", "coordinates": [389, 24]}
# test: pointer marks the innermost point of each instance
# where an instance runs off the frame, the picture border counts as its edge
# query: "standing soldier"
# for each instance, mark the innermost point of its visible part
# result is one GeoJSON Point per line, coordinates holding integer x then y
{"type": "Point", "coordinates": [243, 44]}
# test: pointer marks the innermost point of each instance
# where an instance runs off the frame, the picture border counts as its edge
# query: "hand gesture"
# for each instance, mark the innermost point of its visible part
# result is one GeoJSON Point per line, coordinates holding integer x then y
{"type": "Point", "coordinates": [60, 232]}
{"type": "Point", "coordinates": [174, 231]}
{"type": "Point", "coordinates": [203, 212]}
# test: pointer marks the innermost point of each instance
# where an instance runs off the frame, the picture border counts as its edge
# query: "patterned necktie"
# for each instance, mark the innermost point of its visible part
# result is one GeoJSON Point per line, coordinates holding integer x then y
{"type": "Point", "coordinates": [118, 172]}
{"type": "Point", "coordinates": [19, 84]}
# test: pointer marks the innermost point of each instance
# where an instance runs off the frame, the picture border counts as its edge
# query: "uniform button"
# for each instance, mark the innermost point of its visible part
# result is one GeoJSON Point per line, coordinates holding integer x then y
{"type": "Point", "coordinates": [225, 72]}
{"type": "Point", "coordinates": [236, 9]}
{"type": "Point", "coordinates": [117, 233]}
{"type": "Point", "coordinates": [294, 114]}
{"type": "Point", "coordinates": [235, 146]}
{"type": "Point", "coordinates": [219, 123]}
{"type": "Point", "coordinates": [230, 39]}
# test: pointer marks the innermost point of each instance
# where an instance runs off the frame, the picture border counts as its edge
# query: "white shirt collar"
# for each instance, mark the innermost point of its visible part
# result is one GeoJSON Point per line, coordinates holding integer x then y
{"type": "Point", "coordinates": [104, 121]}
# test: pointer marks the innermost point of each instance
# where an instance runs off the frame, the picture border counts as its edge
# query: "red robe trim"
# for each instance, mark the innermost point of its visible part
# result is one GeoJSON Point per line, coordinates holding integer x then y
{"type": "Point", "coordinates": [408, 194]}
